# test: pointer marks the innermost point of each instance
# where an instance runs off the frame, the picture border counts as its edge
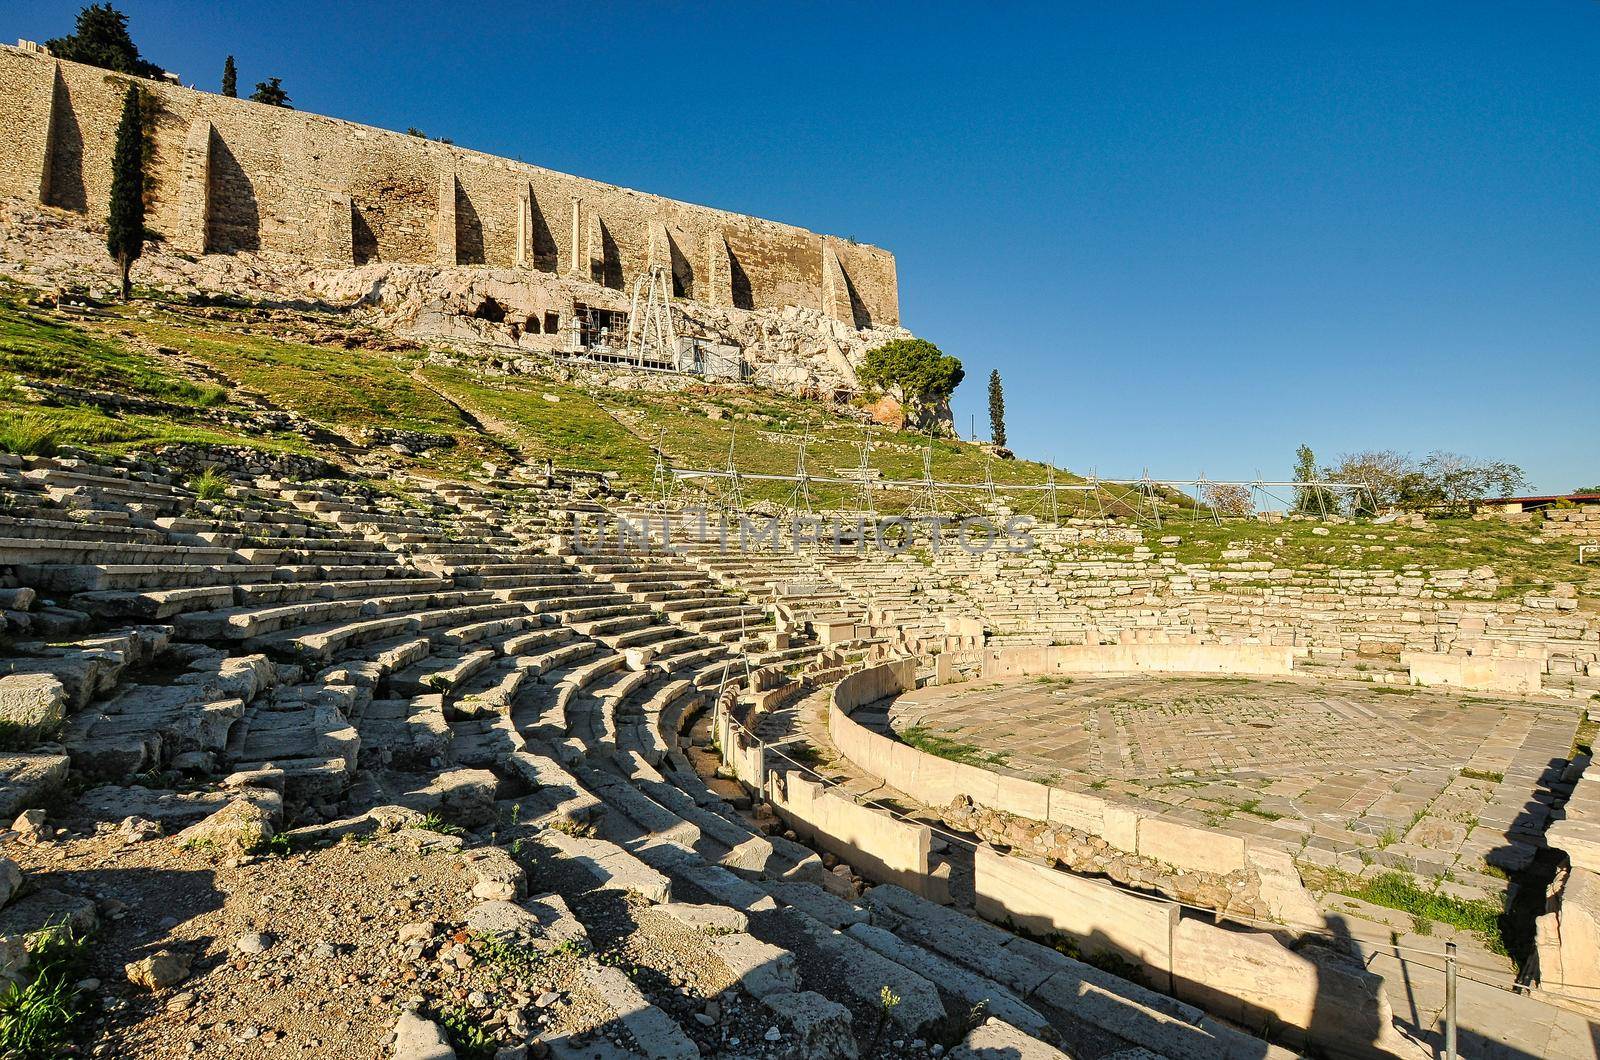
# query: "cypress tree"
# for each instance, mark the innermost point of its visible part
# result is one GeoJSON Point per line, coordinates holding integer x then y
{"type": "Point", "coordinates": [230, 78]}
{"type": "Point", "coordinates": [125, 219]}
{"type": "Point", "coordinates": [997, 410]}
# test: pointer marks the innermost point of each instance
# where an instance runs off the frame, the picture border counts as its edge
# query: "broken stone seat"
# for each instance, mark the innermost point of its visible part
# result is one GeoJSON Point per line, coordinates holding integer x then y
{"type": "Point", "coordinates": [301, 736]}
{"type": "Point", "coordinates": [94, 552]}
{"type": "Point", "coordinates": [660, 636]}
{"type": "Point", "coordinates": [856, 970]}
{"type": "Point", "coordinates": [107, 483]}
{"type": "Point", "coordinates": [561, 590]}
{"type": "Point", "coordinates": [1064, 990]}
{"type": "Point", "coordinates": [652, 805]}
{"type": "Point", "coordinates": [164, 603]}
{"type": "Point", "coordinates": [89, 667]}
{"type": "Point", "coordinates": [318, 644]}
{"type": "Point", "coordinates": [529, 581]}
{"type": "Point", "coordinates": [330, 602]}
{"type": "Point", "coordinates": [608, 621]}
{"type": "Point", "coordinates": [460, 554]}
{"type": "Point", "coordinates": [487, 680]}
{"type": "Point", "coordinates": [590, 712]}
{"type": "Point", "coordinates": [52, 526]}
{"type": "Point", "coordinates": [184, 724]}
{"type": "Point", "coordinates": [29, 779]}
{"type": "Point", "coordinates": [653, 734]}
{"type": "Point", "coordinates": [335, 552]}
{"type": "Point", "coordinates": [540, 709]}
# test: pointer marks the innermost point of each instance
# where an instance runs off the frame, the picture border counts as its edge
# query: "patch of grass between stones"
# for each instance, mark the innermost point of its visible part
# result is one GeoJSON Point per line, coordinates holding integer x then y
{"type": "Point", "coordinates": [1396, 890]}
{"type": "Point", "coordinates": [925, 739]}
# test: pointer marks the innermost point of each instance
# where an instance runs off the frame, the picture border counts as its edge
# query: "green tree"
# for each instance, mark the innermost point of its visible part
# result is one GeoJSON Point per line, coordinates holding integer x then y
{"type": "Point", "coordinates": [125, 217]}
{"type": "Point", "coordinates": [271, 93]}
{"type": "Point", "coordinates": [1305, 470]}
{"type": "Point", "coordinates": [918, 374]}
{"type": "Point", "coordinates": [101, 39]}
{"type": "Point", "coordinates": [997, 410]}
{"type": "Point", "coordinates": [1458, 483]}
{"type": "Point", "coordinates": [230, 78]}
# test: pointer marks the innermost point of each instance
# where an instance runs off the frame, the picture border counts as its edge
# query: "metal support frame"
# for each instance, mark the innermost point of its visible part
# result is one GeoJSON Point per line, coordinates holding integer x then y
{"type": "Point", "coordinates": [652, 333]}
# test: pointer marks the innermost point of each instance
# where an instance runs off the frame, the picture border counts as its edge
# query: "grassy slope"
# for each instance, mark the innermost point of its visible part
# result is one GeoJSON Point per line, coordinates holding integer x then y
{"type": "Point", "coordinates": [39, 348]}
{"type": "Point", "coordinates": [348, 389]}
{"type": "Point", "coordinates": [616, 430]}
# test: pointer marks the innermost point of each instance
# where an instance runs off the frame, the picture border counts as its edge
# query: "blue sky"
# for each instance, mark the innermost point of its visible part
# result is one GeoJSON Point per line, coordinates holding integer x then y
{"type": "Point", "coordinates": [1190, 235]}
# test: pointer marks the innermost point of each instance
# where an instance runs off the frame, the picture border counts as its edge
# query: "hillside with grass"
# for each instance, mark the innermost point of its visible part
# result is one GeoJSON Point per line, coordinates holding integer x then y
{"type": "Point", "coordinates": [195, 362]}
{"type": "Point", "coordinates": [112, 378]}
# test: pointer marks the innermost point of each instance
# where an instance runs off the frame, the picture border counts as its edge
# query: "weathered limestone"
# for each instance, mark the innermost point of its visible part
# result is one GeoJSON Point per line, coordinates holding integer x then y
{"type": "Point", "coordinates": [416, 1038]}
{"type": "Point", "coordinates": [1253, 659]}
{"type": "Point", "coordinates": [1036, 898]}
{"type": "Point", "coordinates": [194, 189]}
{"type": "Point", "coordinates": [34, 702]}
{"type": "Point", "coordinates": [875, 844]}
{"type": "Point", "coordinates": [525, 209]}
{"type": "Point", "coordinates": [1475, 672]}
{"type": "Point", "coordinates": [243, 826]}
{"type": "Point", "coordinates": [718, 283]}
{"type": "Point", "coordinates": [338, 241]}
{"type": "Point", "coordinates": [446, 236]}
{"type": "Point", "coordinates": [994, 1039]}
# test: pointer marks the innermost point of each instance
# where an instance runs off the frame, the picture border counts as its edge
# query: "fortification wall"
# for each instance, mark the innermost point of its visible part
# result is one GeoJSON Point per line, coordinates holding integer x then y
{"type": "Point", "coordinates": [231, 175]}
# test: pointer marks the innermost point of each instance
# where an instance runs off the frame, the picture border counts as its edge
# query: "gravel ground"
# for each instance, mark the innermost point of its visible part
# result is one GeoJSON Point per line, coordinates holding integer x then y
{"type": "Point", "coordinates": [315, 953]}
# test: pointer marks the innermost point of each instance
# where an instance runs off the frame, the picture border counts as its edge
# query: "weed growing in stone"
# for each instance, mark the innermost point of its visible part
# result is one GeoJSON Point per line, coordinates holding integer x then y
{"type": "Point", "coordinates": [466, 1034]}
{"type": "Point", "coordinates": [209, 486]}
{"type": "Point", "coordinates": [510, 959]}
{"type": "Point", "coordinates": [434, 823]}
{"type": "Point", "coordinates": [1396, 890]}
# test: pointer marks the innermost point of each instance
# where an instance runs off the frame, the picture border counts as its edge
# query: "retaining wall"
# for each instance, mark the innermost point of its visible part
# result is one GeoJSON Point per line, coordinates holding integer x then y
{"type": "Point", "coordinates": [1483, 673]}
{"type": "Point", "coordinates": [1248, 976]}
{"type": "Point", "coordinates": [1160, 657]}
{"type": "Point", "coordinates": [873, 843]}
{"type": "Point", "coordinates": [1098, 919]}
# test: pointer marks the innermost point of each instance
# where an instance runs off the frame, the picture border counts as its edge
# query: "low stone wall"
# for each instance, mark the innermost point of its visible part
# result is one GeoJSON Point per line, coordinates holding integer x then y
{"type": "Point", "coordinates": [243, 460]}
{"type": "Point", "coordinates": [873, 843]}
{"type": "Point", "coordinates": [937, 782]}
{"type": "Point", "coordinates": [1313, 996]}
{"type": "Point", "coordinates": [1480, 673]}
{"type": "Point", "coordinates": [1248, 976]}
{"type": "Point", "coordinates": [1168, 657]}
{"type": "Point", "coordinates": [1238, 892]}
{"type": "Point", "coordinates": [1099, 919]}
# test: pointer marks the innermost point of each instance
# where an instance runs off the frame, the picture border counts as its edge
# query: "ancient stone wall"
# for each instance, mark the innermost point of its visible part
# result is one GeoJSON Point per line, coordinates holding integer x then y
{"type": "Point", "coordinates": [231, 175]}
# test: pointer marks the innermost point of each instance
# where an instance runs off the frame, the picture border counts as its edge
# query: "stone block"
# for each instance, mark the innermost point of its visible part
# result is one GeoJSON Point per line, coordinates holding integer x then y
{"type": "Point", "coordinates": [35, 703]}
